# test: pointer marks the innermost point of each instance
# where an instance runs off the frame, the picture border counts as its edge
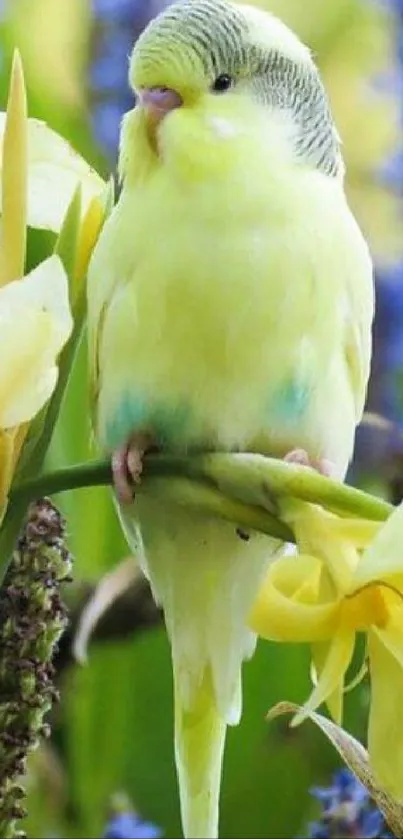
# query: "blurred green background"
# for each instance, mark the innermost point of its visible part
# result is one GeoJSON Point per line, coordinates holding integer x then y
{"type": "Point", "coordinates": [113, 728]}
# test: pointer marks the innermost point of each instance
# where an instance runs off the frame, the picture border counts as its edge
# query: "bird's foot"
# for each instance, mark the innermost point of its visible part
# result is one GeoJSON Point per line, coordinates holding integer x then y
{"type": "Point", "coordinates": [320, 464]}
{"type": "Point", "coordinates": [127, 465]}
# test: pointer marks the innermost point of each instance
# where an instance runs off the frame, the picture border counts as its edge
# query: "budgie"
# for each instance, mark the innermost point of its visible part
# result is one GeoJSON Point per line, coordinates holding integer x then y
{"type": "Point", "coordinates": [230, 303]}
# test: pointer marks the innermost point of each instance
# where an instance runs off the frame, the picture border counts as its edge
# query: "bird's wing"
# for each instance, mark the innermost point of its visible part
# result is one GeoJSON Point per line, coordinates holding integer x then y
{"type": "Point", "coordinates": [103, 279]}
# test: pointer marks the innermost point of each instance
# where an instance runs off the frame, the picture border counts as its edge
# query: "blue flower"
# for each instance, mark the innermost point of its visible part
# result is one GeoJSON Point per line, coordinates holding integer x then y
{"type": "Point", "coordinates": [347, 811]}
{"type": "Point", "coordinates": [396, 5]}
{"type": "Point", "coordinates": [388, 343]}
{"type": "Point", "coordinates": [112, 10]}
{"type": "Point", "coordinates": [116, 26]}
{"type": "Point", "coordinates": [130, 826]}
{"type": "Point", "coordinates": [376, 450]}
{"type": "Point", "coordinates": [390, 172]}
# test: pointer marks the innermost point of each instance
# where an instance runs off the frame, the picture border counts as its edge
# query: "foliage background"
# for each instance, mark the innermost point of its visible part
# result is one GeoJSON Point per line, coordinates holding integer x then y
{"type": "Point", "coordinates": [113, 728]}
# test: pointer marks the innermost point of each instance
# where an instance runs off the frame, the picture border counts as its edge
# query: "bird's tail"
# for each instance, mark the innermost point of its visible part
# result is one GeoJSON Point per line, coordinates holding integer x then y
{"type": "Point", "coordinates": [199, 745]}
{"type": "Point", "coordinates": [206, 579]}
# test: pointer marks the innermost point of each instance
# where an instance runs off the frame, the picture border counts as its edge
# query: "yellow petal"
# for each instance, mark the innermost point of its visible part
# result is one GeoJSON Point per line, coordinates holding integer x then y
{"type": "Point", "coordinates": [392, 635]}
{"type": "Point", "coordinates": [89, 232]}
{"type": "Point", "coordinates": [385, 720]}
{"type": "Point", "coordinates": [365, 607]}
{"type": "Point", "coordinates": [14, 179]}
{"type": "Point", "coordinates": [383, 559]}
{"type": "Point", "coordinates": [35, 322]}
{"type": "Point", "coordinates": [318, 533]}
{"type": "Point", "coordinates": [360, 531]}
{"type": "Point", "coordinates": [55, 170]}
{"type": "Point", "coordinates": [333, 672]}
{"type": "Point", "coordinates": [297, 576]}
{"type": "Point", "coordinates": [278, 616]}
{"type": "Point", "coordinates": [334, 701]}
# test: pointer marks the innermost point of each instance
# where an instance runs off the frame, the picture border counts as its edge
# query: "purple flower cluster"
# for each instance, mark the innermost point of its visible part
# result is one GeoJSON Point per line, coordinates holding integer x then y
{"type": "Point", "coordinates": [116, 26]}
{"type": "Point", "coordinates": [129, 825]}
{"type": "Point", "coordinates": [347, 811]}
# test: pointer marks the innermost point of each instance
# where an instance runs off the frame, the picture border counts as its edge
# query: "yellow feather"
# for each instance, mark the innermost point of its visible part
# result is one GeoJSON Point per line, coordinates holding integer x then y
{"type": "Point", "coordinates": [206, 577]}
{"type": "Point", "coordinates": [249, 280]}
{"type": "Point", "coordinates": [199, 732]}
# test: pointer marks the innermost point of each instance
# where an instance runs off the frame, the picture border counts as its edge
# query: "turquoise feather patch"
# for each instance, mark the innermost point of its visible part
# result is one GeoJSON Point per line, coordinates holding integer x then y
{"type": "Point", "coordinates": [166, 423]}
{"type": "Point", "coordinates": [289, 403]}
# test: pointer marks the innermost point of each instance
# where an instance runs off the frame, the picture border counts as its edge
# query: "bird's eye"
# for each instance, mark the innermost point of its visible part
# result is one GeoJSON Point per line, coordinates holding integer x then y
{"type": "Point", "coordinates": [222, 83]}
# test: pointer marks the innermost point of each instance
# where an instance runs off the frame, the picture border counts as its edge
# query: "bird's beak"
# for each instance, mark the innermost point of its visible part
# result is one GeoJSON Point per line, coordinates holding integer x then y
{"type": "Point", "coordinates": [158, 102]}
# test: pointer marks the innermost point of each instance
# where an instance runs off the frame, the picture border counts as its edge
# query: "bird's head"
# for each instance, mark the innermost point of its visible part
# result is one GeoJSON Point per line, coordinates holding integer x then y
{"type": "Point", "coordinates": [210, 73]}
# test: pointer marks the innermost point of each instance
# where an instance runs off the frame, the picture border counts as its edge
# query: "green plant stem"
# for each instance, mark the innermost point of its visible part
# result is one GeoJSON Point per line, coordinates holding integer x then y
{"type": "Point", "coordinates": [175, 488]}
{"type": "Point", "coordinates": [93, 473]}
{"type": "Point", "coordinates": [264, 480]}
{"type": "Point", "coordinates": [245, 489]}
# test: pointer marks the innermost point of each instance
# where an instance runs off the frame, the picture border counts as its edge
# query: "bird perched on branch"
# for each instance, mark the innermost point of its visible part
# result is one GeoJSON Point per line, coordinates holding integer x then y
{"type": "Point", "coordinates": [230, 308]}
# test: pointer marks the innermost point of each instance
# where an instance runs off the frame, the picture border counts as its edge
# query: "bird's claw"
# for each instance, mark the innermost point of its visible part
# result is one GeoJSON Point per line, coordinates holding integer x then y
{"type": "Point", "coordinates": [127, 466]}
{"type": "Point", "coordinates": [319, 464]}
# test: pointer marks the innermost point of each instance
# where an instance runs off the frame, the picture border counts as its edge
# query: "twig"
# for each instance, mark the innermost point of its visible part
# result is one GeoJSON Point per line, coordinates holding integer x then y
{"type": "Point", "coordinates": [246, 489]}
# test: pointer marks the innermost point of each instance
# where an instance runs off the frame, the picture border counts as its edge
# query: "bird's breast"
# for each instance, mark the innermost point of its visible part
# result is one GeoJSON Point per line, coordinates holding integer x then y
{"type": "Point", "coordinates": [215, 334]}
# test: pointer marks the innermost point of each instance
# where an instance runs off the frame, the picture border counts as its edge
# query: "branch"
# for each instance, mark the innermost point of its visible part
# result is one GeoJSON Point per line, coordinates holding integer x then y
{"type": "Point", "coordinates": [246, 489]}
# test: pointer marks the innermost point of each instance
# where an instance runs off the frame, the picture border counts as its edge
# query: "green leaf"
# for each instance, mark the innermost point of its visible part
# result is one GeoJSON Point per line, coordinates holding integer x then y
{"type": "Point", "coordinates": [41, 428]}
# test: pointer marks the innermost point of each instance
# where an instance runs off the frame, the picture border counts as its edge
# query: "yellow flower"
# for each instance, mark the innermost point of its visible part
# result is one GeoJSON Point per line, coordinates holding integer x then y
{"type": "Point", "coordinates": [35, 323]}
{"type": "Point", "coordinates": [55, 170]}
{"type": "Point", "coordinates": [325, 597]}
{"type": "Point", "coordinates": [39, 174]}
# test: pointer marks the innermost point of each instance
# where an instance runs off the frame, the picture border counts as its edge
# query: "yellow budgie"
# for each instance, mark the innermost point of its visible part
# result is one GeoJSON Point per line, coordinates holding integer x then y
{"type": "Point", "coordinates": [230, 308]}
